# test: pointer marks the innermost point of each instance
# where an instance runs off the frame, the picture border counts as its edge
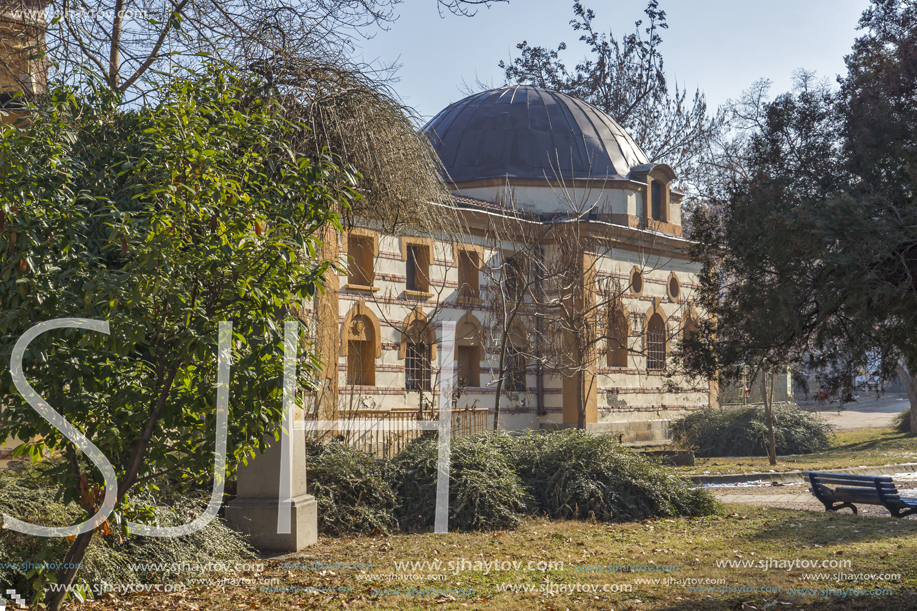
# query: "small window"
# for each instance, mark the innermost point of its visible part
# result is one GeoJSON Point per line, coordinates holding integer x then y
{"type": "Point", "coordinates": [617, 337]}
{"type": "Point", "coordinates": [515, 370]}
{"type": "Point", "coordinates": [360, 250]}
{"type": "Point", "coordinates": [361, 363]}
{"type": "Point", "coordinates": [418, 269]}
{"type": "Point", "coordinates": [417, 368]}
{"type": "Point", "coordinates": [655, 343]}
{"type": "Point", "coordinates": [469, 365]}
{"type": "Point", "coordinates": [636, 282]}
{"type": "Point", "coordinates": [674, 287]}
{"type": "Point", "coordinates": [656, 190]}
{"type": "Point", "coordinates": [468, 267]}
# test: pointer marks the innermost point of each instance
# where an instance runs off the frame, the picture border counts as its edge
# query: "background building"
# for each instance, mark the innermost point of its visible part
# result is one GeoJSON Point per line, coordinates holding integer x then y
{"type": "Point", "coordinates": [22, 41]}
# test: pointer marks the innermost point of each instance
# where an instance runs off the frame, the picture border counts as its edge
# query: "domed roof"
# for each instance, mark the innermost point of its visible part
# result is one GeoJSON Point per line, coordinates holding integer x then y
{"type": "Point", "coordinates": [529, 132]}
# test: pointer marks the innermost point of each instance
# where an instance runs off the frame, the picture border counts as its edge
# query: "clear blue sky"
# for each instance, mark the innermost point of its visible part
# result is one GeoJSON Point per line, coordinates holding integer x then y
{"type": "Point", "coordinates": [720, 46]}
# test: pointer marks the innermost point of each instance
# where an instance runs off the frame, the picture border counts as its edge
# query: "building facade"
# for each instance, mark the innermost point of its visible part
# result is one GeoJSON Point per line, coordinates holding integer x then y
{"type": "Point", "coordinates": [563, 267]}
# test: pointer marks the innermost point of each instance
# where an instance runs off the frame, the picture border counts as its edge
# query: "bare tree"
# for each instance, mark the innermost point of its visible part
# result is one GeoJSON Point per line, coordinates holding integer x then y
{"type": "Point", "coordinates": [625, 77]}
{"type": "Point", "coordinates": [129, 43]}
{"type": "Point", "coordinates": [514, 275]}
{"type": "Point", "coordinates": [557, 275]}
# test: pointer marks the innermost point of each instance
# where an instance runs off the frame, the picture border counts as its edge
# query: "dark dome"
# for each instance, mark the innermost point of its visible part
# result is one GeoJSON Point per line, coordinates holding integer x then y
{"type": "Point", "coordinates": [528, 132]}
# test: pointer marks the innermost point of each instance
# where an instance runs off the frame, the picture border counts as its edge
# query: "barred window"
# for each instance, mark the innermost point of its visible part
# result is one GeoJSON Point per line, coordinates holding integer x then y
{"type": "Point", "coordinates": [417, 366]}
{"type": "Point", "coordinates": [655, 343]}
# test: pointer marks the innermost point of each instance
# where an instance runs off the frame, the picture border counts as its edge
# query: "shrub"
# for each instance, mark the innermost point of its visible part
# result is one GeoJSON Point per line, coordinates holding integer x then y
{"type": "Point", "coordinates": [742, 431]}
{"type": "Point", "coordinates": [109, 558]}
{"type": "Point", "coordinates": [495, 480]}
{"type": "Point", "coordinates": [577, 475]}
{"type": "Point", "coordinates": [484, 491]}
{"type": "Point", "coordinates": [353, 490]}
{"type": "Point", "coordinates": [902, 422]}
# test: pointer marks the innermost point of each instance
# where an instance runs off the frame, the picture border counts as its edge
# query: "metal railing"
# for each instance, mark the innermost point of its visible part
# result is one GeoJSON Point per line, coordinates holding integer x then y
{"type": "Point", "coordinates": [386, 436]}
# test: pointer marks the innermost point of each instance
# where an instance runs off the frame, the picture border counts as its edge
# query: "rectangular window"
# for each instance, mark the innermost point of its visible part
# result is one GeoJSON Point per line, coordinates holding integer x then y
{"type": "Point", "coordinates": [360, 251]}
{"type": "Point", "coordinates": [468, 267]}
{"type": "Point", "coordinates": [417, 367]}
{"type": "Point", "coordinates": [418, 269]}
{"type": "Point", "coordinates": [361, 364]}
{"type": "Point", "coordinates": [469, 365]}
{"type": "Point", "coordinates": [657, 201]}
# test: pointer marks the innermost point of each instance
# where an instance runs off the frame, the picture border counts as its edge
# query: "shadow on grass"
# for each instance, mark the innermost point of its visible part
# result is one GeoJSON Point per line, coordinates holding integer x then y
{"type": "Point", "coordinates": [898, 601]}
{"type": "Point", "coordinates": [794, 527]}
{"type": "Point", "coordinates": [872, 444]}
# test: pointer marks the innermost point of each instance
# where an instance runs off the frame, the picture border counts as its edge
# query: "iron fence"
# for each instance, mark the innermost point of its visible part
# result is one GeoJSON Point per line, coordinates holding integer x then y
{"type": "Point", "coordinates": [386, 436]}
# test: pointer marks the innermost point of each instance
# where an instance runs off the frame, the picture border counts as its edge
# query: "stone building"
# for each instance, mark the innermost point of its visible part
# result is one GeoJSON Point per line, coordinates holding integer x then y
{"type": "Point", "coordinates": [519, 156]}
{"type": "Point", "coordinates": [22, 40]}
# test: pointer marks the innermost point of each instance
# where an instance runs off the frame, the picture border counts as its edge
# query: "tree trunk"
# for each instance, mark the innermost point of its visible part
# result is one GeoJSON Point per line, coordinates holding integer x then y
{"type": "Point", "coordinates": [911, 387]}
{"type": "Point", "coordinates": [74, 557]}
{"type": "Point", "coordinates": [501, 371]}
{"type": "Point", "coordinates": [114, 58]}
{"type": "Point", "coordinates": [580, 400]}
{"type": "Point", "coordinates": [769, 415]}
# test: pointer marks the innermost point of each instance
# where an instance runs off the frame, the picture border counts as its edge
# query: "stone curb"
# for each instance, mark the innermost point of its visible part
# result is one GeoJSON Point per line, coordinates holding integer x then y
{"type": "Point", "coordinates": [797, 476]}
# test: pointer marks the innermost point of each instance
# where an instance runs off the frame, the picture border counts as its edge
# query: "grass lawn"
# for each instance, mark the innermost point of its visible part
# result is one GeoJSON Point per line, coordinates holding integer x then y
{"type": "Point", "coordinates": [684, 551]}
{"type": "Point", "coordinates": [865, 447]}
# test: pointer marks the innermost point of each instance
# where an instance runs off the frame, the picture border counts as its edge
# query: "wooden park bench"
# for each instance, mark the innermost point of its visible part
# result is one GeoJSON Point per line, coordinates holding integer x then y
{"type": "Point", "coordinates": [839, 490]}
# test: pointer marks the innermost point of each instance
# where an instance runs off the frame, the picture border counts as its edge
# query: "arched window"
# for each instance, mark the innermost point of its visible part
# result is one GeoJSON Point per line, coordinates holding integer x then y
{"type": "Point", "coordinates": [469, 336]}
{"type": "Point", "coordinates": [515, 370]}
{"type": "Point", "coordinates": [361, 343]}
{"type": "Point", "coordinates": [516, 361]}
{"type": "Point", "coordinates": [617, 336]}
{"type": "Point", "coordinates": [689, 331]}
{"type": "Point", "coordinates": [418, 342]}
{"type": "Point", "coordinates": [361, 361]}
{"type": "Point", "coordinates": [655, 342]}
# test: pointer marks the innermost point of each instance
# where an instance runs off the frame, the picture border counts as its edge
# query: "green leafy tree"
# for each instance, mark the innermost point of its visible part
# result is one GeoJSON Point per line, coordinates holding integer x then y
{"type": "Point", "coordinates": [878, 103]}
{"type": "Point", "coordinates": [764, 247]}
{"type": "Point", "coordinates": [811, 253]}
{"type": "Point", "coordinates": [163, 221]}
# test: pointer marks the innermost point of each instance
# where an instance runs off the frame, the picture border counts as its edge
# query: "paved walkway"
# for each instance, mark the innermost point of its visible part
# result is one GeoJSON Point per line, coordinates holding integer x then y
{"type": "Point", "coordinates": [797, 496]}
{"type": "Point", "coordinates": [866, 413]}
{"type": "Point", "coordinates": [768, 499]}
